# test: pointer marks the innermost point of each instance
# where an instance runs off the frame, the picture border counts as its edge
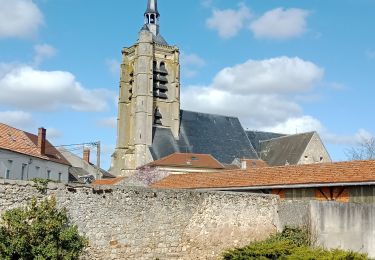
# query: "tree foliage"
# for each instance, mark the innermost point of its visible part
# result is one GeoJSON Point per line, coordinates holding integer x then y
{"type": "Point", "coordinates": [364, 150]}
{"type": "Point", "coordinates": [291, 244]}
{"type": "Point", "coordinates": [39, 231]}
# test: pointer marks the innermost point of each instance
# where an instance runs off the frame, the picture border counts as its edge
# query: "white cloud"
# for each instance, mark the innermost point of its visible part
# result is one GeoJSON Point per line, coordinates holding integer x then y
{"type": "Point", "coordinates": [350, 139]}
{"type": "Point", "coordinates": [42, 52]}
{"type": "Point", "coordinates": [192, 60]}
{"type": "Point", "coordinates": [19, 119]}
{"type": "Point", "coordinates": [113, 66]}
{"type": "Point", "coordinates": [277, 75]}
{"type": "Point", "coordinates": [190, 63]}
{"type": "Point", "coordinates": [229, 22]}
{"type": "Point", "coordinates": [260, 93]}
{"type": "Point", "coordinates": [296, 125]}
{"type": "Point", "coordinates": [108, 122]}
{"type": "Point", "coordinates": [53, 133]}
{"type": "Point", "coordinates": [280, 23]}
{"type": "Point", "coordinates": [27, 88]}
{"type": "Point", "coordinates": [19, 18]}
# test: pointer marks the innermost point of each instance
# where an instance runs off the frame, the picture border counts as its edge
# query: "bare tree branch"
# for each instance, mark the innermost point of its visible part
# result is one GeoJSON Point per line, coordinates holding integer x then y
{"type": "Point", "coordinates": [364, 150]}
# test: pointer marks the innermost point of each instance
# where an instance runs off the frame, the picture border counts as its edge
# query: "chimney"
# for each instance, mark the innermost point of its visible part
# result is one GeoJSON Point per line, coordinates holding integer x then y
{"type": "Point", "coordinates": [86, 155]}
{"type": "Point", "coordinates": [243, 165]}
{"type": "Point", "coordinates": [42, 140]}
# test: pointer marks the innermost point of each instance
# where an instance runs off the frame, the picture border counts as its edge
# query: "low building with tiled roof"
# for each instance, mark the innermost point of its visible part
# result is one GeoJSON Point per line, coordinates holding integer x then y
{"type": "Point", "coordinates": [178, 163]}
{"type": "Point", "coordinates": [342, 181]}
{"type": "Point", "coordinates": [25, 156]}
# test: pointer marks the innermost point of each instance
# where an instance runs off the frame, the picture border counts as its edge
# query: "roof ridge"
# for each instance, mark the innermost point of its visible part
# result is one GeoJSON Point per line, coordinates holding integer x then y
{"type": "Point", "coordinates": [287, 136]}
{"type": "Point", "coordinates": [209, 114]}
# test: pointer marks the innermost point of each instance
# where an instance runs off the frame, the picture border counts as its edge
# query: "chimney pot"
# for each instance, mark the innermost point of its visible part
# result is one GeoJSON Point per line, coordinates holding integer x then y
{"type": "Point", "coordinates": [243, 165]}
{"type": "Point", "coordinates": [86, 155]}
{"type": "Point", "coordinates": [42, 140]}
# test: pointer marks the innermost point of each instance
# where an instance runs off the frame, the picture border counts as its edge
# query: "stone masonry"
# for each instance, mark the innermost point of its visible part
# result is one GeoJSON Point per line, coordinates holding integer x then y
{"type": "Point", "coordinates": [139, 223]}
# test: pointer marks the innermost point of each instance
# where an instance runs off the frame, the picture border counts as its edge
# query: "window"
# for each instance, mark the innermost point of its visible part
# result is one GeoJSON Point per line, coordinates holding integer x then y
{"type": "Point", "coordinates": [23, 171]}
{"type": "Point", "coordinates": [7, 174]}
{"type": "Point", "coordinates": [60, 176]}
{"type": "Point", "coordinates": [37, 170]}
{"type": "Point", "coordinates": [48, 174]}
{"type": "Point", "coordinates": [7, 171]}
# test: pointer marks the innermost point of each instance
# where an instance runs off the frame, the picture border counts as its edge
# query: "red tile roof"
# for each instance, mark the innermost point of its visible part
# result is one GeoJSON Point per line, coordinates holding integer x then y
{"type": "Point", "coordinates": [112, 181]}
{"type": "Point", "coordinates": [329, 173]}
{"type": "Point", "coordinates": [22, 142]}
{"type": "Point", "coordinates": [255, 163]}
{"type": "Point", "coordinates": [189, 160]}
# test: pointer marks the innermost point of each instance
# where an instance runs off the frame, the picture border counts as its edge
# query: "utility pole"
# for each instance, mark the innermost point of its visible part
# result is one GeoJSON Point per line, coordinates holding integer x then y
{"type": "Point", "coordinates": [98, 159]}
{"type": "Point", "coordinates": [98, 154]}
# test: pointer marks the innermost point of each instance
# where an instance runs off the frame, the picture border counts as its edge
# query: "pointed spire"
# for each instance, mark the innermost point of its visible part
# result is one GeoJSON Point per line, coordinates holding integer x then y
{"type": "Point", "coordinates": [152, 17]}
{"type": "Point", "coordinates": [152, 7]}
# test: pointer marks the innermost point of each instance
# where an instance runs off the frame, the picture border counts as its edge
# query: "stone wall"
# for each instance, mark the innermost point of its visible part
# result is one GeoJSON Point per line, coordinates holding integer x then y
{"type": "Point", "coordinates": [138, 223]}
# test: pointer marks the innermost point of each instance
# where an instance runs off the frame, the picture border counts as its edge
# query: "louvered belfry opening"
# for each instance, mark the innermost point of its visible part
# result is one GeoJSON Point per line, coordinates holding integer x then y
{"type": "Point", "coordinates": [160, 81]}
{"type": "Point", "coordinates": [157, 117]}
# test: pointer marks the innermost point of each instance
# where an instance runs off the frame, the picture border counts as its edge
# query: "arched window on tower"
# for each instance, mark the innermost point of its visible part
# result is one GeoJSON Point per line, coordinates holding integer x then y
{"type": "Point", "coordinates": [152, 19]}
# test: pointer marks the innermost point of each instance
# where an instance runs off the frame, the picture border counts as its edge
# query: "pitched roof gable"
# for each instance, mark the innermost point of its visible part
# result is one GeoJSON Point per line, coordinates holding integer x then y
{"type": "Point", "coordinates": [285, 150]}
{"type": "Point", "coordinates": [310, 174]}
{"type": "Point", "coordinates": [22, 142]}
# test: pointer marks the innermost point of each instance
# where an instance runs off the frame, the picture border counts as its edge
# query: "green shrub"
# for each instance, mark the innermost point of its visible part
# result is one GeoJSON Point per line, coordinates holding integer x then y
{"type": "Point", "coordinates": [291, 244]}
{"type": "Point", "coordinates": [39, 231]}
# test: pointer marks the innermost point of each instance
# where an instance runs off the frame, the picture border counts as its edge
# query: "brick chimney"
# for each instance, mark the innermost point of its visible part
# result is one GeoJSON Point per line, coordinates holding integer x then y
{"type": "Point", "coordinates": [42, 140]}
{"type": "Point", "coordinates": [86, 155]}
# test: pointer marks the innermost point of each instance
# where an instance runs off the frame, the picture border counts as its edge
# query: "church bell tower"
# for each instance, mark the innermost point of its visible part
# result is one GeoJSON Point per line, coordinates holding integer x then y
{"type": "Point", "coordinates": [149, 94]}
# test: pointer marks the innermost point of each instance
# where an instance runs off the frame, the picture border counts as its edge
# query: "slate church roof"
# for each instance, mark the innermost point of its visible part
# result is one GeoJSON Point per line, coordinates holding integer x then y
{"type": "Point", "coordinates": [221, 136]}
{"type": "Point", "coordinates": [256, 137]}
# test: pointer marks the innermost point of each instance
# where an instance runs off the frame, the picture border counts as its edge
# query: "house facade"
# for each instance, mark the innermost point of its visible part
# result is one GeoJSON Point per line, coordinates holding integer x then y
{"type": "Point", "coordinates": [25, 156]}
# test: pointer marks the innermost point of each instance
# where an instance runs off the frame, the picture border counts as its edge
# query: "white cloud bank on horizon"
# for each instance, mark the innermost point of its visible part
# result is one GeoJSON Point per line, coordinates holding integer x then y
{"type": "Point", "coordinates": [280, 23]}
{"type": "Point", "coordinates": [19, 18]}
{"type": "Point", "coordinates": [259, 92]}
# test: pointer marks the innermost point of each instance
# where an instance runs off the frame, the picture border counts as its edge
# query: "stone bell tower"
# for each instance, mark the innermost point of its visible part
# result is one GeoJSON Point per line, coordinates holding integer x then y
{"type": "Point", "coordinates": [149, 94]}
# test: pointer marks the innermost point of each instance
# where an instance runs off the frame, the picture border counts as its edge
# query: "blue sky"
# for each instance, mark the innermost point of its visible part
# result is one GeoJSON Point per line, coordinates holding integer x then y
{"type": "Point", "coordinates": [287, 66]}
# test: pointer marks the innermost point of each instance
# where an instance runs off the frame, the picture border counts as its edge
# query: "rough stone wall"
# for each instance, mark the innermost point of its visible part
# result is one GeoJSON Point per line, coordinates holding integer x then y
{"type": "Point", "coordinates": [294, 213]}
{"type": "Point", "coordinates": [138, 223]}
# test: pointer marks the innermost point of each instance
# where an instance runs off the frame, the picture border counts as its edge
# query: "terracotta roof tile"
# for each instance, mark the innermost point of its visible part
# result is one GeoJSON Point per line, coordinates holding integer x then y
{"type": "Point", "coordinates": [112, 181]}
{"type": "Point", "coordinates": [189, 160]}
{"type": "Point", "coordinates": [22, 142]}
{"type": "Point", "coordinates": [342, 172]}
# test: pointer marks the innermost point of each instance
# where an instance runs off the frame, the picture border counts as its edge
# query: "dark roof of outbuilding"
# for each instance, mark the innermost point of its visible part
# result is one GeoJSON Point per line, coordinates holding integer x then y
{"type": "Point", "coordinates": [75, 173]}
{"type": "Point", "coordinates": [221, 136]}
{"type": "Point", "coordinates": [256, 137]}
{"type": "Point", "coordinates": [285, 150]}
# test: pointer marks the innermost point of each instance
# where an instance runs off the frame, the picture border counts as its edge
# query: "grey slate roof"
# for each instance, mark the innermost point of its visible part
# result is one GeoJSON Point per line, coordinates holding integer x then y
{"type": "Point", "coordinates": [256, 137]}
{"type": "Point", "coordinates": [221, 136]}
{"type": "Point", "coordinates": [287, 149]}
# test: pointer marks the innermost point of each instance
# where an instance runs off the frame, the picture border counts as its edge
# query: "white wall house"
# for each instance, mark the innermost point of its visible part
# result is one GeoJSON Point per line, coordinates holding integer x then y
{"type": "Point", "coordinates": [24, 156]}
